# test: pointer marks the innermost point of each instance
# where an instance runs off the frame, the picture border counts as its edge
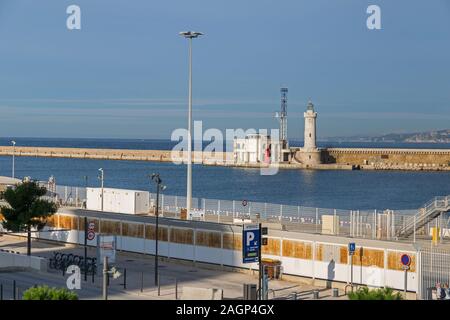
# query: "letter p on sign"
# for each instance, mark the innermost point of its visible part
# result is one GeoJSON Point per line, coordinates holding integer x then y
{"type": "Point", "coordinates": [250, 237]}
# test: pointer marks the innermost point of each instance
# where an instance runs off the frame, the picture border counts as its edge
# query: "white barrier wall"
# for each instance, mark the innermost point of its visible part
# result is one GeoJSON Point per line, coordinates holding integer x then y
{"type": "Point", "coordinates": [13, 260]}
{"type": "Point", "coordinates": [378, 265]}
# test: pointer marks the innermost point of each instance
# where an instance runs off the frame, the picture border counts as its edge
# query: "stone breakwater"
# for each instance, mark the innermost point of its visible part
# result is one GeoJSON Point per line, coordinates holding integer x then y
{"type": "Point", "coordinates": [114, 154]}
{"type": "Point", "coordinates": [332, 158]}
{"type": "Point", "coordinates": [389, 159]}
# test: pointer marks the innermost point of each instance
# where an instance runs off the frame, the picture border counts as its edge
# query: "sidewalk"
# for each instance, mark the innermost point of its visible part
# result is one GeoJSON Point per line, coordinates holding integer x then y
{"type": "Point", "coordinates": [140, 280]}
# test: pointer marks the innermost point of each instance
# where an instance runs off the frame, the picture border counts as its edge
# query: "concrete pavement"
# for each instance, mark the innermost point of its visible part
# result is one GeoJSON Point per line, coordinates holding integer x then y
{"type": "Point", "coordinates": [140, 276]}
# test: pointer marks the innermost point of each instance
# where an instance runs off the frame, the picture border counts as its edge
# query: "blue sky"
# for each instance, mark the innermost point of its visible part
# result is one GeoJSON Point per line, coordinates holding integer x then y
{"type": "Point", "coordinates": [124, 74]}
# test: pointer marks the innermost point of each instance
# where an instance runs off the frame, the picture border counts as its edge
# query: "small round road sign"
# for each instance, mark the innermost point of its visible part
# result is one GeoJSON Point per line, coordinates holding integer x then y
{"type": "Point", "coordinates": [244, 202]}
{"type": "Point", "coordinates": [91, 235]}
{"type": "Point", "coordinates": [405, 260]}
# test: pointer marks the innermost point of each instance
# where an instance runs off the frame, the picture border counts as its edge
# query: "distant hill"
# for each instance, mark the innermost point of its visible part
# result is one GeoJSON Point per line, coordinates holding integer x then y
{"type": "Point", "coordinates": [439, 136]}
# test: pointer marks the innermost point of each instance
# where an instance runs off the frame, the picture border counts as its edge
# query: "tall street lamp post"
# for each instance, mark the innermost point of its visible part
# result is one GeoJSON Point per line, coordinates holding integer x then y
{"type": "Point", "coordinates": [159, 187]}
{"type": "Point", "coordinates": [190, 35]}
{"type": "Point", "coordinates": [13, 158]}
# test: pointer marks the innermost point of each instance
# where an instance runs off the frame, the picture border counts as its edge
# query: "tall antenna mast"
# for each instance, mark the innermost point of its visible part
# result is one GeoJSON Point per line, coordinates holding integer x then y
{"type": "Point", "coordinates": [283, 117]}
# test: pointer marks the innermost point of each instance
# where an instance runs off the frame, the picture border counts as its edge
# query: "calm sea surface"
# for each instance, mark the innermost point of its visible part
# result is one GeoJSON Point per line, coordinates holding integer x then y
{"type": "Point", "coordinates": [329, 188]}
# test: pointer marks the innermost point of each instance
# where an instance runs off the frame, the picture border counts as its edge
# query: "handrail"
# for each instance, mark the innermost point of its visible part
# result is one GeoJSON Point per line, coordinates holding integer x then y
{"type": "Point", "coordinates": [427, 213]}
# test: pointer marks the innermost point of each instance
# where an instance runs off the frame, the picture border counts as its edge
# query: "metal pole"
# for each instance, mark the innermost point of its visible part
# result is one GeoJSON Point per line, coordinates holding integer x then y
{"type": "Point", "coordinates": [125, 278]}
{"type": "Point", "coordinates": [28, 240]}
{"type": "Point", "coordinates": [159, 286]}
{"type": "Point", "coordinates": [234, 208]}
{"type": "Point", "coordinates": [13, 158]}
{"type": "Point", "coordinates": [218, 208]}
{"type": "Point", "coordinates": [189, 160]}
{"type": "Point", "coordinates": [176, 289]}
{"type": "Point", "coordinates": [357, 223]}
{"type": "Point", "coordinates": [414, 229]}
{"type": "Point", "coordinates": [334, 223]}
{"type": "Point", "coordinates": [260, 263]}
{"type": "Point", "coordinates": [156, 230]}
{"type": "Point", "coordinates": [142, 281]}
{"type": "Point", "coordinates": [317, 218]}
{"type": "Point", "coordinates": [85, 247]}
{"type": "Point", "coordinates": [375, 224]}
{"type": "Point", "coordinates": [393, 224]}
{"type": "Point", "coordinates": [351, 223]}
{"type": "Point", "coordinates": [14, 289]}
{"type": "Point", "coordinates": [105, 278]}
{"type": "Point", "coordinates": [102, 190]}
{"type": "Point", "coordinates": [351, 271]}
{"type": "Point", "coordinates": [218, 213]}
{"type": "Point", "coordinates": [406, 281]}
{"type": "Point", "coordinates": [1, 291]}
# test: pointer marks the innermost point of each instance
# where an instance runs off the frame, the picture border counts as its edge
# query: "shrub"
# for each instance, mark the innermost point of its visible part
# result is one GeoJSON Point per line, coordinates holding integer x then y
{"type": "Point", "coordinates": [46, 293]}
{"type": "Point", "coordinates": [376, 294]}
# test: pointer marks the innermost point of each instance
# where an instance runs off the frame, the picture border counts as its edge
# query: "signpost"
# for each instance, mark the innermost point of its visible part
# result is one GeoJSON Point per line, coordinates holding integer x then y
{"type": "Point", "coordinates": [85, 247]}
{"type": "Point", "coordinates": [351, 252]}
{"type": "Point", "coordinates": [106, 246]}
{"type": "Point", "coordinates": [406, 262]}
{"type": "Point", "coordinates": [252, 241]}
{"type": "Point", "coordinates": [91, 231]}
{"type": "Point", "coordinates": [89, 234]}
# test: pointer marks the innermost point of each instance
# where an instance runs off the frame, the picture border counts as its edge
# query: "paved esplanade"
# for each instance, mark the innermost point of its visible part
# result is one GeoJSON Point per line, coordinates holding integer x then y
{"type": "Point", "coordinates": [136, 264]}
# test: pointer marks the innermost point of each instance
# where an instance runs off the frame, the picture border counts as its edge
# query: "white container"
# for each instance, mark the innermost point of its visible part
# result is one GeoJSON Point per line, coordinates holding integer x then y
{"type": "Point", "coordinates": [330, 224]}
{"type": "Point", "coordinates": [118, 200]}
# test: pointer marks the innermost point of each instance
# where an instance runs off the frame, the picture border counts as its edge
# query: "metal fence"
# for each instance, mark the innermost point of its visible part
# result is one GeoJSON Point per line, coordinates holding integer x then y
{"type": "Point", "coordinates": [434, 270]}
{"type": "Point", "coordinates": [370, 224]}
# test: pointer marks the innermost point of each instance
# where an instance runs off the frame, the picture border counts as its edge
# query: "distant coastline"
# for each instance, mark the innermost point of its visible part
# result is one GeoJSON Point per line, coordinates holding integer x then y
{"type": "Point", "coordinates": [166, 144]}
{"type": "Point", "coordinates": [437, 136]}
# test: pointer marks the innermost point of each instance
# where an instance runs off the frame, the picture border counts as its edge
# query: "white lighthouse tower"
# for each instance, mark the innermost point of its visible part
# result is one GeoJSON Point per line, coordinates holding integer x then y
{"type": "Point", "coordinates": [309, 155]}
{"type": "Point", "coordinates": [310, 127]}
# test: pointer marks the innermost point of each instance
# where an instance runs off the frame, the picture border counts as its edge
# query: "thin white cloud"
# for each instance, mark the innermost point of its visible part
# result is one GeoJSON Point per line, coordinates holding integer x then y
{"type": "Point", "coordinates": [131, 111]}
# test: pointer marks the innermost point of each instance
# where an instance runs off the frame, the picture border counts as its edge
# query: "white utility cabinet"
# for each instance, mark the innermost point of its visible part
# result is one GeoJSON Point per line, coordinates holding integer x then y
{"type": "Point", "coordinates": [118, 200]}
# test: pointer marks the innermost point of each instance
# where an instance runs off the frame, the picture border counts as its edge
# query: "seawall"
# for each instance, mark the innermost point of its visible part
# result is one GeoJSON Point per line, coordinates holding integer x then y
{"type": "Point", "coordinates": [386, 158]}
{"type": "Point", "coordinates": [112, 154]}
{"type": "Point", "coordinates": [332, 158]}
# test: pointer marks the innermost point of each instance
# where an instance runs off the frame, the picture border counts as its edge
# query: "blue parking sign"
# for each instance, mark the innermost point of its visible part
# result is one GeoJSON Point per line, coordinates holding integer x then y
{"type": "Point", "coordinates": [351, 247]}
{"type": "Point", "coordinates": [250, 243]}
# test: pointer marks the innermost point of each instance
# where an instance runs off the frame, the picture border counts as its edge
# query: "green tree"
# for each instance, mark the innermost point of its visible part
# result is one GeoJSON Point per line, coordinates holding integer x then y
{"type": "Point", "coordinates": [26, 209]}
{"type": "Point", "coordinates": [46, 293]}
{"type": "Point", "coordinates": [376, 294]}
